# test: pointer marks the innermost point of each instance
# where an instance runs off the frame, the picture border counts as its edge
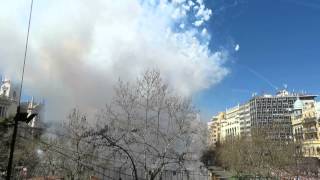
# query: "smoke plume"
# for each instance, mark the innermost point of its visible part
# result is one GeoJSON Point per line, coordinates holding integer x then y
{"type": "Point", "coordinates": [79, 49]}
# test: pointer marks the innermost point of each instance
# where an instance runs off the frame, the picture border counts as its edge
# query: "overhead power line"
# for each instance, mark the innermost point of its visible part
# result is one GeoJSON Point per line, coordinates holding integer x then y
{"type": "Point", "coordinates": [25, 51]}
{"type": "Point", "coordinates": [54, 148]}
{"type": "Point", "coordinates": [132, 151]}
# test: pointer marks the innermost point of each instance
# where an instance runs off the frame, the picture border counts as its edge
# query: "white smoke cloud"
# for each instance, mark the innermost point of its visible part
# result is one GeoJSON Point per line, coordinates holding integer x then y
{"type": "Point", "coordinates": [79, 49]}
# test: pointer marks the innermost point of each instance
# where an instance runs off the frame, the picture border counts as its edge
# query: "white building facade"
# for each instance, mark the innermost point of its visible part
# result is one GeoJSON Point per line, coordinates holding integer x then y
{"type": "Point", "coordinates": [9, 96]}
{"type": "Point", "coordinates": [231, 125]}
{"type": "Point", "coordinates": [244, 119]}
{"type": "Point", "coordinates": [9, 100]}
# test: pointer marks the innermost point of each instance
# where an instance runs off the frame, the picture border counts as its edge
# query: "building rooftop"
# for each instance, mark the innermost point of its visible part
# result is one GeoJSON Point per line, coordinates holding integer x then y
{"type": "Point", "coordinates": [285, 93]}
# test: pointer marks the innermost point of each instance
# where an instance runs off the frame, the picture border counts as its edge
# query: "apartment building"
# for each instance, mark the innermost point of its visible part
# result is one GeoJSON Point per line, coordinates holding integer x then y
{"type": "Point", "coordinates": [271, 112]}
{"type": "Point", "coordinates": [244, 119]}
{"type": "Point", "coordinates": [306, 127]}
{"type": "Point", "coordinates": [231, 124]}
{"type": "Point", "coordinates": [214, 128]}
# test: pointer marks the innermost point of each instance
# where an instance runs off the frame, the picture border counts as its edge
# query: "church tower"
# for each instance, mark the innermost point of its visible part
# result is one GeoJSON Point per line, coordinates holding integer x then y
{"type": "Point", "coordinates": [8, 90]}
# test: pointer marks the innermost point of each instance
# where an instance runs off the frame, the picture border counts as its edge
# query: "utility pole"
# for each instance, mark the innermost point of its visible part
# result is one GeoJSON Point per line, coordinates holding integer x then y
{"type": "Point", "coordinates": [20, 116]}
{"type": "Point", "coordinates": [13, 141]}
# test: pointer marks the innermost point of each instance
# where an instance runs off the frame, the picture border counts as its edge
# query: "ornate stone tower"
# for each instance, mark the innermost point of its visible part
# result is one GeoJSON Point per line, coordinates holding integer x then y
{"type": "Point", "coordinates": [8, 90]}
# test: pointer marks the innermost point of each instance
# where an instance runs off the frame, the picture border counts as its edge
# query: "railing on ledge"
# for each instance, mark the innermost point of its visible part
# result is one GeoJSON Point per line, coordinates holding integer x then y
{"type": "Point", "coordinates": [310, 130]}
{"type": "Point", "coordinates": [296, 121]}
{"type": "Point", "coordinates": [311, 141]}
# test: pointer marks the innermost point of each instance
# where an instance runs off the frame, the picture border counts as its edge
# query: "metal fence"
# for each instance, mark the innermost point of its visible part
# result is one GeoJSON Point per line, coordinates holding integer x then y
{"type": "Point", "coordinates": [113, 174]}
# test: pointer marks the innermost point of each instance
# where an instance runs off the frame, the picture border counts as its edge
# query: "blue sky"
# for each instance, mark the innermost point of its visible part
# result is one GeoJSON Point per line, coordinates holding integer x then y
{"type": "Point", "coordinates": [279, 44]}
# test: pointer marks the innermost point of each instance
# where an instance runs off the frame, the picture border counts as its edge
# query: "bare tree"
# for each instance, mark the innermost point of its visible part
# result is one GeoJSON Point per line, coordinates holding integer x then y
{"type": "Point", "coordinates": [67, 150]}
{"type": "Point", "coordinates": [25, 153]}
{"type": "Point", "coordinates": [5, 134]}
{"type": "Point", "coordinates": [260, 154]}
{"type": "Point", "coordinates": [149, 127]}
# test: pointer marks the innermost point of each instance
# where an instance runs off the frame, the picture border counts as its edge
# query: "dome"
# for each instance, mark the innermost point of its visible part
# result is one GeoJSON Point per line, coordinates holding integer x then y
{"type": "Point", "coordinates": [298, 105]}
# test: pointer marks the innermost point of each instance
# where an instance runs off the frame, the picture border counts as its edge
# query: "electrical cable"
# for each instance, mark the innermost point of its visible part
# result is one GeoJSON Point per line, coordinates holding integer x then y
{"type": "Point", "coordinates": [142, 153]}
{"type": "Point", "coordinates": [25, 51]}
{"type": "Point", "coordinates": [72, 158]}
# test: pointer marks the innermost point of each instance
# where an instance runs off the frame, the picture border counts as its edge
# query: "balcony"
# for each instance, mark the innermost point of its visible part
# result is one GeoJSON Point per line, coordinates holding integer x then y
{"type": "Point", "coordinates": [296, 121]}
{"type": "Point", "coordinates": [310, 120]}
{"type": "Point", "coordinates": [310, 130]}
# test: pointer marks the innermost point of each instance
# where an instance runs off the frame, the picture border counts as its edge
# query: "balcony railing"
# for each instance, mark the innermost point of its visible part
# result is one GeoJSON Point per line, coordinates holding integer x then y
{"type": "Point", "coordinates": [310, 119]}
{"type": "Point", "coordinates": [310, 130]}
{"type": "Point", "coordinates": [311, 141]}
